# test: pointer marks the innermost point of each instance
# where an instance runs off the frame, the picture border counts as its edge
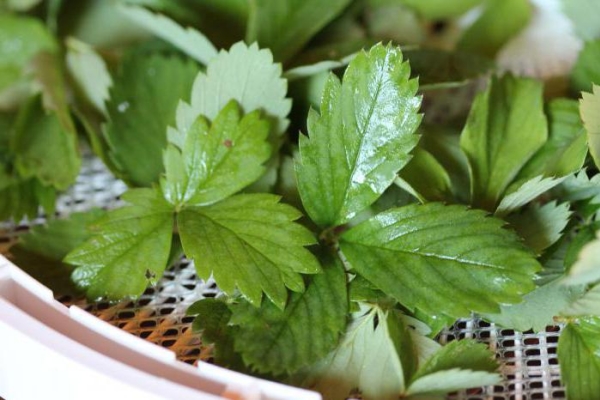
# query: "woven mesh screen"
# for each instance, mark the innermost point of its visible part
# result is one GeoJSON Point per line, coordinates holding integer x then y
{"type": "Point", "coordinates": [529, 363]}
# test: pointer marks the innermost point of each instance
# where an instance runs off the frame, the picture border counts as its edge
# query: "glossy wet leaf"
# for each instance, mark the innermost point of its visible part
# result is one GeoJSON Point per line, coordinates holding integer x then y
{"type": "Point", "coordinates": [360, 139]}
{"type": "Point", "coordinates": [142, 105]}
{"type": "Point", "coordinates": [251, 243]}
{"type": "Point", "coordinates": [505, 128]}
{"type": "Point", "coordinates": [283, 341]}
{"type": "Point", "coordinates": [579, 358]}
{"type": "Point", "coordinates": [129, 250]}
{"type": "Point", "coordinates": [216, 160]}
{"type": "Point", "coordinates": [589, 108]}
{"type": "Point", "coordinates": [421, 254]}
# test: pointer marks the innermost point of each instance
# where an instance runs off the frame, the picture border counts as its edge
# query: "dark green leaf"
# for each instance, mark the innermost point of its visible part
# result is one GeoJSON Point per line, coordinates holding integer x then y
{"type": "Point", "coordinates": [441, 259]}
{"type": "Point", "coordinates": [143, 101]}
{"type": "Point", "coordinates": [129, 250]}
{"type": "Point", "coordinates": [249, 241]}
{"type": "Point", "coordinates": [361, 139]}
{"type": "Point", "coordinates": [283, 341]}
{"type": "Point", "coordinates": [427, 178]}
{"type": "Point", "coordinates": [585, 71]}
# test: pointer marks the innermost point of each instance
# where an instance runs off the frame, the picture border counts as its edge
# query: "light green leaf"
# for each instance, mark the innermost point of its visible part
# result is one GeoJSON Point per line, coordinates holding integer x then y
{"type": "Point", "coordinates": [427, 177]}
{"type": "Point", "coordinates": [217, 161]}
{"type": "Point", "coordinates": [499, 21]}
{"type": "Point", "coordinates": [89, 73]}
{"type": "Point", "coordinates": [43, 148]}
{"type": "Point", "coordinates": [505, 128]}
{"type": "Point", "coordinates": [566, 148]}
{"type": "Point", "coordinates": [129, 250]}
{"type": "Point", "coordinates": [421, 254]}
{"type": "Point", "coordinates": [440, 9]}
{"type": "Point", "coordinates": [450, 380]}
{"type": "Point", "coordinates": [521, 193]}
{"type": "Point", "coordinates": [541, 225]}
{"type": "Point", "coordinates": [585, 72]}
{"type": "Point", "coordinates": [21, 5]}
{"type": "Point", "coordinates": [579, 187]}
{"type": "Point", "coordinates": [584, 14]}
{"type": "Point", "coordinates": [188, 40]}
{"type": "Point", "coordinates": [306, 71]}
{"type": "Point", "coordinates": [361, 139]}
{"type": "Point", "coordinates": [245, 74]}
{"type": "Point", "coordinates": [142, 104]}
{"type": "Point", "coordinates": [587, 304]}
{"type": "Point", "coordinates": [538, 308]}
{"type": "Point", "coordinates": [249, 241]}
{"type": "Point", "coordinates": [579, 358]}
{"type": "Point", "coordinates": [283, 341]}
{"type": "Point", "coordinates": [40, 251]}
{"type": "Point", "coordinates": [367, 358]}
{"type": "Point", "coordinates": [285, 26]}
{"type": "Point", "coordinates": [587, 267]}
{"type": "Point", "coordinates": [589, 108]}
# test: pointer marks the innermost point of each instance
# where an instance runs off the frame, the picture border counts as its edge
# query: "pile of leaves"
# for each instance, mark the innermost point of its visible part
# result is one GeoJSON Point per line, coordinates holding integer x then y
{"type": "Point", "coordinates": [354, 174]}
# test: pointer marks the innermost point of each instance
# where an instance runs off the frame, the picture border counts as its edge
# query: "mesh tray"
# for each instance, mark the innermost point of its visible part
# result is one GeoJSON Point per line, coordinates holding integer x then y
{"type": "Point", "coordinates": [529, 362]}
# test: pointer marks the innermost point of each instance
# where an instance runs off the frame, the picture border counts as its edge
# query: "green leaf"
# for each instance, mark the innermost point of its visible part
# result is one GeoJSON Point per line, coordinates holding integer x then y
{"type": "Point", "coordinates": [587, 267]}
{"type": "Point", "coordinates": [283, 341]}
{"type": "Point", "coordinates": [367, 358]}
{"type": "Point", "coordinates": [24, 197]}
{"type": "Point", "coordinates": [249, 241]}
{"type": "Point", "coordinates": [579, 187]}
{"type": "Point", "coordinates": [541, 225]}
{"type": "Point", "coordinates": [538, 308]}
{"type": "Point", "coordinates": [216, 161]}
{"type": "Point", "coordinates": [579, 358]}
{"type": "Point", "coordinates": [129, 250]}
{"type": "Point", "coordinates": [245, 74]}
{"type": "Point", "coordinates": [589, 108]}
{"type": "Point", "coordinates": [285, 26]}
{"type": "Point", "coordinates": [499, 22]}
{"type": "Point", "coordinates": [89, 73]}
{"type": "Point", "coordinates": [566, 148]}
{"type": "Point", "coordinates": [584, 234]}
{"type": "Point", "coordinates": [440, 9]}
{"type": "Point", "coordinates": [427, 178]}
{"type": "Point", "coordinates": [505, 128]}
{"type": "Point", "coordinates": [40, 251]}
{"type": "Point", "coordinates": [361, 139]}
{"type": "Point", "coordinates": [21, 5]}
{"type": "Point", "coordinates": [143, 101]}
{"type": "Point", "coordinates": [584, 15]}
{"type": "Point", "coordinates": [421, 254]}
{"type": "Point", "coordinates": [521, 193]}
{"type": "Point", "coordinates": [587, 304]}
{"type": "Point", "coordinates": [458, 365]}
{"type": "Point", "coordinates": [43, 148]}
{"type": "Point", "coordinates": [188, 40]}
{"type": "Point", "coordinates": [585, 72]}
{"type": "Point", "coordinates": [442, 69]}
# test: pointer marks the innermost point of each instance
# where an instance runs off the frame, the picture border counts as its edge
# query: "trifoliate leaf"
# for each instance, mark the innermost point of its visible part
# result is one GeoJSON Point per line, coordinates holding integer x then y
{"type": "Point", "coordinates": [89, 73]}
{"type": "Point", "coordinates": [499, 21]}
{"type": "Point", "coordinates": [367, 358]}
{"type": "Point", "coordinates": [40, 251]}
{"type": "Point", "coordinates": [245, 74]}
{"type": "Point", "coordinates": [538, 308]}
{"type": "Point", "coordinates": [521, 193]}
{"type": "Point", "coordinates": [142, 104]}
{"type": "Point", "coordinates": [585, 71]}
{"type": "Point", "coordinates": [188, 40]}
{"type": "Point", "coordinates": [458, 365]}
{"type": "Point", "coordinates": [44, 149]}
{"type": "Point", "coordinates": [441, 259]}
{"type": "Point", "coordinates": [129, 250]}
{"type": "Point", "coordinates": [249, 241]}
{"type": "Point", "coordinates": [566, 148]}
{"type": "Point", "coordinates": [361, 138]}
{"type": "Point", "coordinates": [589, 108]}
{"type": "Point", "coordinates": [587, 304]}
{"type": "Point", "coordinates": [579, 358]}
{"type": "Point", "coordinates": [505, 128]}
{"type": "Point", "coordinates": [427, 177]}
{"type": "Point", "coordinates": [216, 161]}
{"type": "Point", "coordinates": [440, 9]}
{"type": "Point", "coordinates": [286, 26]}
{"type": "Point", "coordinates": [283, 341]}
{"type": "Point", "coordinates": [587, 267]}
{"type": "Point", "coordinates": [541, 226]}
{"type": "Point", "coordinates": [584, 14]}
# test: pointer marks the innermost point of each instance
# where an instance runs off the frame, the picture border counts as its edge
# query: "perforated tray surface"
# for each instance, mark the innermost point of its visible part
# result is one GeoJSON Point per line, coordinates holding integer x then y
{"type": "Point", "coordinates": [529, 363]}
